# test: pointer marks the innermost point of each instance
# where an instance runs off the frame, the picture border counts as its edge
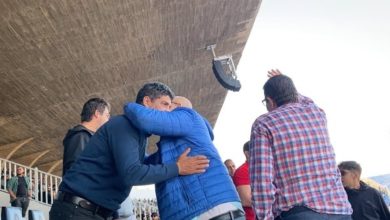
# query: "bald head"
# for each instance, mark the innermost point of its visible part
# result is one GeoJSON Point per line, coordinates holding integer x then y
{"type": "Point", "coordinates": [180, 101]}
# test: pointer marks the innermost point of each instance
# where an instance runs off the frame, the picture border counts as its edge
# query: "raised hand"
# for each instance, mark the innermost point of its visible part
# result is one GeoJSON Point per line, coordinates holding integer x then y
{"type": "Point", "coordinates": [274, 72]}
{"type": "Point", "coordinates": [190, 165]}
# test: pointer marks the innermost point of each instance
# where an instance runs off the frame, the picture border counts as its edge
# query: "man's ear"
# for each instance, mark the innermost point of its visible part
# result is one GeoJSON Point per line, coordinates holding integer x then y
{"type": "Point", "coordinates": [146, 101]}
{"type": "Point", "coordinates": [246, 153]}
{"type": "Point", "coordinates": [271, 103]}
{"type": "Point", "coordinates": [96, 114]}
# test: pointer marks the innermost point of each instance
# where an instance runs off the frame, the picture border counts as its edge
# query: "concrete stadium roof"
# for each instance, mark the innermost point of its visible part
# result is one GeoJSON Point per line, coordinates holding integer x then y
{"type": "Point", "coordinates": [57, 54]}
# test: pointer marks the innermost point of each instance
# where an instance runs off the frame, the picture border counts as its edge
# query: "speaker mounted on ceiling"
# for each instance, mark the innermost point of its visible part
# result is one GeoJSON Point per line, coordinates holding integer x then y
{"type": "Point", "coordinates": [225, 71]}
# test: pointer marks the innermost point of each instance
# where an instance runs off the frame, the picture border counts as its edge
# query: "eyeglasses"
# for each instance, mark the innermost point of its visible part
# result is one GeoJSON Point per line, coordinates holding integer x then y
{"type": "Point", "coordinates": [264, 101]}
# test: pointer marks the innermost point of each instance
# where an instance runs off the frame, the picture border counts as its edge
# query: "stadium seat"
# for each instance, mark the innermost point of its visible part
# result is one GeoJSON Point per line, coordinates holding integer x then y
{"type": "Point", "coordinates": [35, 215]}
{"type": "Point", "coordinates": [11, 213]}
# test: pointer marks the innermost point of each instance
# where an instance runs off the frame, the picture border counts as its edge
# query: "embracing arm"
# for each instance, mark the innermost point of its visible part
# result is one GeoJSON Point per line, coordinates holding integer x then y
{"type": "Point", "coordinates": [125, 147]}
{"type": "Point", "coordinates": [136, 173]}
{"type": "Point", "coordinates": [126, 150]}
{"type": "Point", "coordinates": [163, 123]}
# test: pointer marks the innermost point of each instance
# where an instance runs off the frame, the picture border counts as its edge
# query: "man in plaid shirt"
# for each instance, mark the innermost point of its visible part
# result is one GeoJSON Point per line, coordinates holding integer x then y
{"type": "Point", "coordinates": [293, 171]}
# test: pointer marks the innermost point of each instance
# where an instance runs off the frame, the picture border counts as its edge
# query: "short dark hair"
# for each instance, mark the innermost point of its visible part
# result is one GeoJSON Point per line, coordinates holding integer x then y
{"type": "Point", "coordinates": [281, 89]}
{"type": "Point", "coordinates": [154, 214]}
{"type": "Point", "coordinates": [154, 90]}
{"type": "Point", "coordinates": [91, 106]}
{"type": "Point", "coordinates": [246, 146]}
{"type": "Point", "coordinates": [351, 166]}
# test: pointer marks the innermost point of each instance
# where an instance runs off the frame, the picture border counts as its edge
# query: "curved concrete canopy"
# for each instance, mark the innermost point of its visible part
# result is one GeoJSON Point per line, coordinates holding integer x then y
{"type": "Point", "coordinates": [57, 54]}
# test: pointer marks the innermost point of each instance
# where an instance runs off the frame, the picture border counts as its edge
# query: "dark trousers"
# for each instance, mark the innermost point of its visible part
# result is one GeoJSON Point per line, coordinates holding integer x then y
{"type": "Point", "coordinates": [303, 213]}
{"type": "Point", "coordinates": [21, 202]}
{"type": "Point", "coordinates": [61, 210]}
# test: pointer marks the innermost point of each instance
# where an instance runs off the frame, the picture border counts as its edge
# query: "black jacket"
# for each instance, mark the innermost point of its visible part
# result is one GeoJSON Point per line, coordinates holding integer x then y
{"type": "Point", "coordinates": [367, 203]}
{"type": "Point", "coordinates": [74, 143]}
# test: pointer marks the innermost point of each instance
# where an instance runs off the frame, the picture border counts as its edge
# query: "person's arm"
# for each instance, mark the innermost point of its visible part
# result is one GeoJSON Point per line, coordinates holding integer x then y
{"type": "Point", "coordinates": [155, 158]}
{"type": "Point", "coordinates": [10, 184]}
{"type": "Point", "coordinates": [126, 155]}
{"type": "Point", "coordinates": [384, 211]}
{"type": "Point", "coordinates": [261, 173]}
{"type": "Point", "coordinates": [241, 180]}
{"type": "Point", "coordinates": [74, 147]}
{"type": "Point", "coordinates": [244, 191]}
{"type": "Point", "coordinates": [125, 150]}
{"type": "Point", "coordinates": [162, 123]}
{"type": "Point", "coordinates": [12, 194]}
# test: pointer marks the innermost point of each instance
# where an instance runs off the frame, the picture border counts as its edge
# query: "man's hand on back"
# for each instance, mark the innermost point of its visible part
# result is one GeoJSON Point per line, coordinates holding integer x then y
{"type": "Point", "coordinates": [190, 165]}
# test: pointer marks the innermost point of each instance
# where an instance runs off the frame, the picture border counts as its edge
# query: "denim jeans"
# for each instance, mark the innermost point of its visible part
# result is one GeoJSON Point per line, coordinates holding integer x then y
{"type": "Point", "coordinates": [303, 213]}
{"type": "Point", "coordinates": [21, 202]}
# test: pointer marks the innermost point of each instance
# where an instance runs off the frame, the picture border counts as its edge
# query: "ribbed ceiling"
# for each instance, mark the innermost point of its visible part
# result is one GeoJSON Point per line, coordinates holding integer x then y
{"type": "Point", "coordinates": [57, 54]}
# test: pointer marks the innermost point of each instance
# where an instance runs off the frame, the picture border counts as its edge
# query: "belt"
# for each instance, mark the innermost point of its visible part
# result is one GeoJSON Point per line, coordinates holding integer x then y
{"type": "Point", "coordinates": [229, 215]}
{"type": "Point", "coordinates": [83, 203]}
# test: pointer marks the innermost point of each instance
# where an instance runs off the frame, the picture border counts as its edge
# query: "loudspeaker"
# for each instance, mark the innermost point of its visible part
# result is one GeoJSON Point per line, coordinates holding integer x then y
{"type": "Point", "coordinates": [11, 213]}
{"type": "Point", "coordinates": [226, 80]}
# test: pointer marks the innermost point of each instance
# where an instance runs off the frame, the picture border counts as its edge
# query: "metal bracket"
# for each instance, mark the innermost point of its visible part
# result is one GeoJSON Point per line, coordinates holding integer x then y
{"type": "Point", "coordinates": [211, 47]}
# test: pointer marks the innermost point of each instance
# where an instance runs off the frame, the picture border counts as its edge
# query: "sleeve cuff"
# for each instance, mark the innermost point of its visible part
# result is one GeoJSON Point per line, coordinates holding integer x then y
{"type": "Point", "coordinates": [173, 170]}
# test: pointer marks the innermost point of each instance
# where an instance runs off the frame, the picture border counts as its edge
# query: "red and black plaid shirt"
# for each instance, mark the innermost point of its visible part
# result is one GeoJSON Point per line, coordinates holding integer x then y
{"type": "Point", "coordinates": [292, 162]}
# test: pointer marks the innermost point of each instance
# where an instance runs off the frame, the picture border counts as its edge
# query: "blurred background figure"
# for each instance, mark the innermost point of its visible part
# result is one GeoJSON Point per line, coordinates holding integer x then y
{"type": "Point", "coordinates": [230, 166]}
{"type": "Point", "coordinates": [19, 189]}
{"type": "Point", "coordinates": [155, 216]}
{"type": "Point", "coordinates": [367, 202]}
{"type": "Point", "coordinates": [125, 212]}
{"type": "Point", "coordinates": [242, 182]}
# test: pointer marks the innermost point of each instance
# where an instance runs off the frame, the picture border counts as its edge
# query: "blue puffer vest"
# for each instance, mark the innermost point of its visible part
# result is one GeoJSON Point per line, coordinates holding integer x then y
{"type": "Point", "coordinates": [185, 197]}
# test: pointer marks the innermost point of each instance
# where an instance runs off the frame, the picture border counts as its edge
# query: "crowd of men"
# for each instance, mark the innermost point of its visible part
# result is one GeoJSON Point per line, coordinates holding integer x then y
{"type": "Point", "coordinates": [290, 172]}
